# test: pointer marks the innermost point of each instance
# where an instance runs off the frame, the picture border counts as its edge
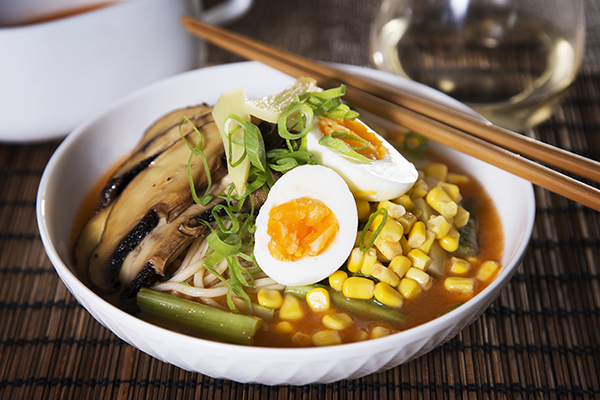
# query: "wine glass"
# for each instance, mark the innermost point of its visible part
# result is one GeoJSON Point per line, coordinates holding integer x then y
{"type": "Point", "coordinates": [511, 60]}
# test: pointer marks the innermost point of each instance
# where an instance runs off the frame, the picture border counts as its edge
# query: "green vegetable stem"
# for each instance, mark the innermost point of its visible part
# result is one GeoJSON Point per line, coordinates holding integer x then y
{"type": "Point", "coordinates": [228, 326]}
{"type": "Point", "coordinates": [369, 309]}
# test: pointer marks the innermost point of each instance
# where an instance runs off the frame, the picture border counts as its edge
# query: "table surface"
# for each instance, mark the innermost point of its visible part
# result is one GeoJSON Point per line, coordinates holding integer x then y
{"type": "Point", "coordinates": [539, 339]}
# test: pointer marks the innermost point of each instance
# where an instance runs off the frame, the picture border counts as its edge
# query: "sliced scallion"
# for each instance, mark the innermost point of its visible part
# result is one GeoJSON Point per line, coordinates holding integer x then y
{"type": "Point", "coordinates": [206, 198]}
{"type": "Point", "coordinates": [366, 246]}
{"type": "Point", "coordinates": [335, 141]}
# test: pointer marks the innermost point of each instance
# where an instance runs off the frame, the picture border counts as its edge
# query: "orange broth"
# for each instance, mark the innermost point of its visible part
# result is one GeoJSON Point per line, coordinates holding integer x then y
{"type": "Point", "coordinates": [429, 305]}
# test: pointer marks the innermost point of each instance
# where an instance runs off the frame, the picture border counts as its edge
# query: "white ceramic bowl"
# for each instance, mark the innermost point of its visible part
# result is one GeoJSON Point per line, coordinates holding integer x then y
{"type": "Point", "coordinates": [56, 74]}
{"type": "Point", "coordinates": [100, 142]}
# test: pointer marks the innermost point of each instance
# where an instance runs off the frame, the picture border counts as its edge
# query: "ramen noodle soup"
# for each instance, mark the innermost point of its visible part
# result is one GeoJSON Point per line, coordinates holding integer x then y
{"type": "Point", "coordinates": [285, 221]}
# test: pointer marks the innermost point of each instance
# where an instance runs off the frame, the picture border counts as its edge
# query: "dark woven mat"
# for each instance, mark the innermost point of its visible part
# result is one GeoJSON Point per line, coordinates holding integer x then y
{"type": "Point", "coordinates": [539, 339]}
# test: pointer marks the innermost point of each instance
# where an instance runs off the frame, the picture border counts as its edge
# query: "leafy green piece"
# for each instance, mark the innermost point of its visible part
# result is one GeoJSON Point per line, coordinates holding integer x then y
{"type": "Point", "coordinates": [206, 198]}
{"type": "Point", "coordinates": [416, 144]}
{"type": "Point", "coordinates": [361, 242]}
{"type": "Point", "coordinates": [468, 243]}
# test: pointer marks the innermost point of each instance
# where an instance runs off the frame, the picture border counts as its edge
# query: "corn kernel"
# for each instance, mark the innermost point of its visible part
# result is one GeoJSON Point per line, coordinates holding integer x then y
{"type": "Point", "coordinates": [269, 298]}
{"type": "Point", "coordinates": [368, 235]}
{"type": "Point", "coordinates": [419, 189]}
{"type": "Point", "coordinates": [461, 218]}
{"type": "Point", "coordinates": [439, 200]}
{"type": "Point", "coordinates": [487, 270]}
{"type": "Point", "coordinates": [385, 274]}
{"type": "Point", "coordinates": [461, 285]}
{"type": "Point", "coordinates": [387, 250]}
{"type": "Point", "coordinates": [418, 259]}
{"type": "Point", "coordinates": [392, 231]}
{"type": "Point", "coordinates": [361, 335]}
{"type": "Point", "coordinates": [409, 288]}
{"type": "Point", "coordinates": [457, 179]}
{"type": "Point", "coordinates": [394, 210]}
{"type": "Point", "coordinates": [404, 244]}
{"type": "Point", "coordinates": [379, 332]}
{"type": "Point", "coordinates": [472, 259]}
{"type": "Point", "coordinates": [416, 236]}
{"type": "Point", "coordinates": [452, 190]}
{"type": "Point", "coordinates": [438, 225]}
{"type": "Point", "coordinates": [291, 309]}
{"type": "Point", "coordinates": [400, 264]}
{"type": "Point", "coordinates": [437, 171]}
{"type": "Point", "coordinates": [429, 239]}
{"type": "Point", "coordinates": [418, 212]}
{"type": "Point", "coordinates": [387, 295]}
{"type": "Point", "coordinates": [318, 299]}
{"type": "Point", "coordinates": [422, 210]}
{"type": "Point", "coordinates": [450, 241]}
{"type": "Point", "coordinates": [356, 287]}
{"type": "Point", "coordinates": [376, 222]}
{"type": "Point", "coordinates": [420, 276]}
{"type": "Point", "coordinates": [404, 201]}
{"type": "Point", "coordinates": [355, 261]}
{"type": "Point", "coordinates": [336, 280]}
{"type": "Point", "coordinates": [302, 339]}
{"type": "Point", "coordinates": [431, 182]}
{"type": "Point", "coordinates": [364, 209]}
{"type": "Point", "coordinates": [284, 327]}
{"type": "Point", "coordinates": [326, 338]}
{"type": "Point", "coordinates": [407, 221]}
{"type": "Point", "coordinates": [369, 260]}
{"type": "Point", "coordinates": [459, 265]}
{"type": "Point", "coordinates": [380, 256]}
{"type": "Point", "coordinates": [337, 321]}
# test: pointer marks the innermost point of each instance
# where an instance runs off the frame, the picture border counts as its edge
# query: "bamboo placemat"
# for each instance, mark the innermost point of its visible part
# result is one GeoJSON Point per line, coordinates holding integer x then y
{"type": "Point", "coordinates": [539, 339]}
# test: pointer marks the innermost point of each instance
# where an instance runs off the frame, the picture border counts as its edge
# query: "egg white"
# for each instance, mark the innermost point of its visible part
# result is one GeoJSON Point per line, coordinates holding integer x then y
{"type": "Point", "coordinates": [316, 182]}
{"type": "Point", "coordinates": [378, 180]}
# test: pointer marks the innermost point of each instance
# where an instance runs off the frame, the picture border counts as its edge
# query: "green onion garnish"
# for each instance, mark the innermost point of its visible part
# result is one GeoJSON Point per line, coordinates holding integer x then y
{"type": "Point", "coordinates": [366, 246]}
{"type": "Point", "coordinates": [206, 198]}
{"type": "Point", "coordinates": [416, 144]}
{"type": "Point", "coordinates": [335, 141]}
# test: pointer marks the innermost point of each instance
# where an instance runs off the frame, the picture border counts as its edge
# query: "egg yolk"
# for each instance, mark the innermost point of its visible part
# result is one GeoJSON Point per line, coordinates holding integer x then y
{"type": "Point", "coordinates": [303, 227]}
{"type": "Point", "coordinates": [375, 151]}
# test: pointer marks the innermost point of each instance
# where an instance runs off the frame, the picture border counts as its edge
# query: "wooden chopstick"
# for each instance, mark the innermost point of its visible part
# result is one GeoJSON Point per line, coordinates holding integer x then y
{"type": "Point", "coordinates": [438, 123]}
{"type": "Point", "coordinates": [521, 144]}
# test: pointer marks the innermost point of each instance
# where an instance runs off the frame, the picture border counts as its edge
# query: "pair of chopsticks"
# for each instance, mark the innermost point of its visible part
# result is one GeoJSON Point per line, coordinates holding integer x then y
{"type": "Point", "coordinates": [494, 145]}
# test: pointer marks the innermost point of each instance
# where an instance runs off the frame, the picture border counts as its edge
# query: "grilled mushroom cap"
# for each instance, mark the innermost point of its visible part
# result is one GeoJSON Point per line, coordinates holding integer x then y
{"type": "Point", "coordinates": [161, 190]}
{"type": "Point", "coordinates": [166, 241]}
{"type": "Point", "coordinates": [158, 137]}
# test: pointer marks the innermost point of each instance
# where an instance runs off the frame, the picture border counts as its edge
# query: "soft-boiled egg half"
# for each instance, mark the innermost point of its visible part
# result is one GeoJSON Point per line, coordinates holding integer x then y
{"type": "Point", "coordinates": [387, 176]}
{"type": "Point", "coordinates": [307, 227]}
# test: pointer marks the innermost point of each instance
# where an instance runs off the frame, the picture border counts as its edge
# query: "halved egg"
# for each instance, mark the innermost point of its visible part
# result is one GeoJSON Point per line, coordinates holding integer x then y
{"type": "Point", "coordinates": [387, 176]}
{"type": "Point", "coordinates": [307, 227]}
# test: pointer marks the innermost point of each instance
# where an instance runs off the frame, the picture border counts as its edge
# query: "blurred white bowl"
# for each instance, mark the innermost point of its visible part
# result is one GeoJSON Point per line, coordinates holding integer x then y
{"type": "Point", "coordinates": [99, 143]}
{"type": "Point", "coordinates": [56, 74]}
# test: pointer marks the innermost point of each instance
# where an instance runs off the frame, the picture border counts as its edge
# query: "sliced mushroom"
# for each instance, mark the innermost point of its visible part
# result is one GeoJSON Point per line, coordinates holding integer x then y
{"type": "Point", "coordinates": [162, 188]}
{"type": "Point", "coordinates": [159, 137]}
{"type": "Point", "coordinates": [170, 120]}
{"type": "Point", "coordinates": [164, 244]}
{"type": "Point", "coordinates": [168, 240]}
{"type": "Point", "coordinates": [88, 238]}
